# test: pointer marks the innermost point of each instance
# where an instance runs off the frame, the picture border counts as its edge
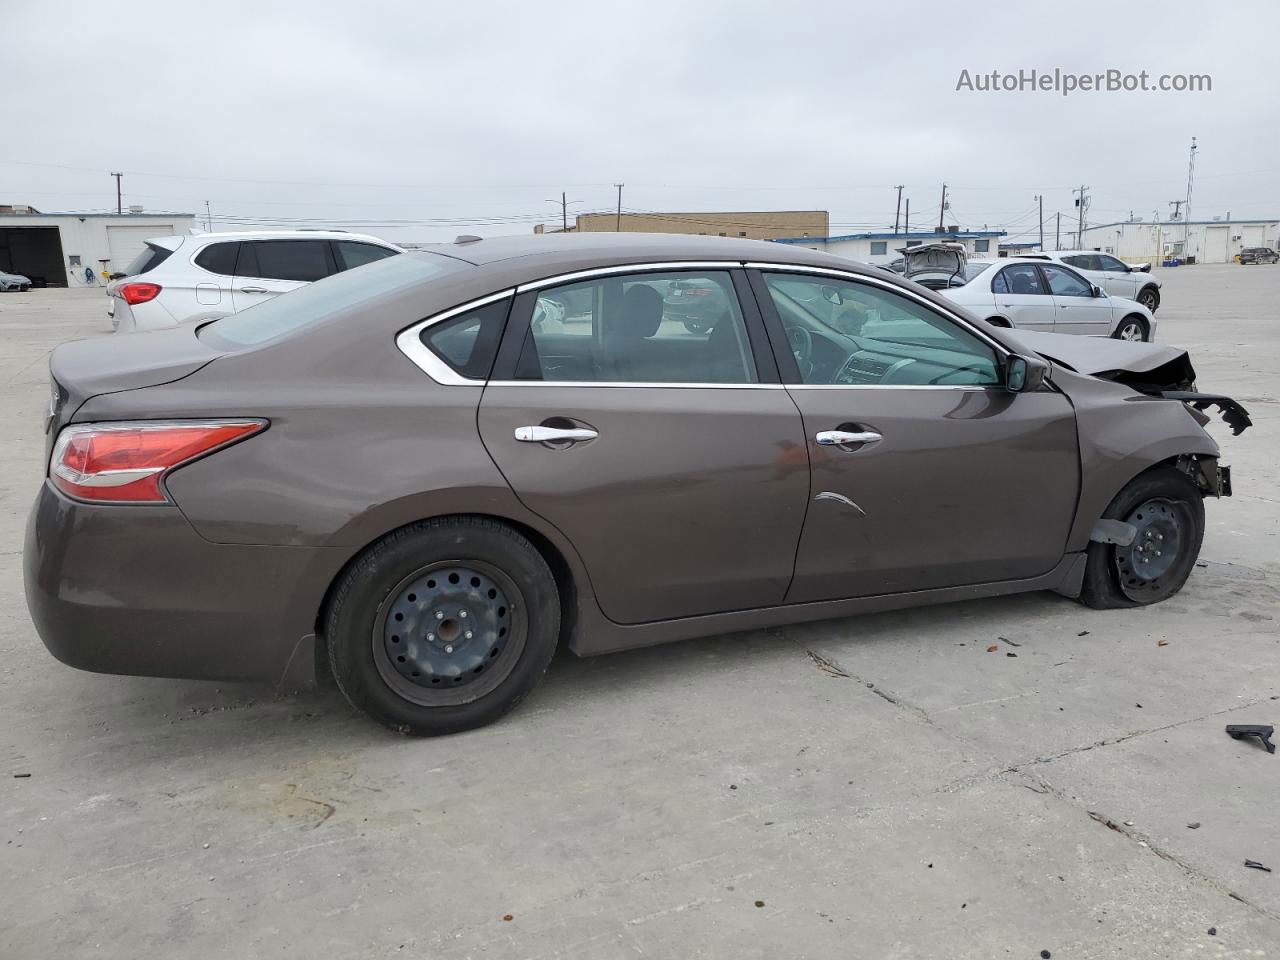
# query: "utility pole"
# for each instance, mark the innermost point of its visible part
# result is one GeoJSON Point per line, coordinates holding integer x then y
{"type": "Point", "coordinates": [564, 213]}
{"type": "Point", "coordinates": [617, 220]}
{"type": "Point", "coordinates": [1057, 232]}
{"type": "Point", "coordinates": [1040, 200]}
{"type": "Point", "coordinates": [943, 208]}
{"type": "Point", "coordinates": [906, 226]}
{"type": "Point", "coordinates": [897, 209]}
{"type": "Point", "coordinates": [208, 218]}
{"type": "Point", "coordinates": [119, 208]}
{"type": "Point", "coordinates": [1177, 207]}
{"type": "Point", "coordinates": [1082, 203]}
{"type": "Point", "coordinates": [1191, 176]}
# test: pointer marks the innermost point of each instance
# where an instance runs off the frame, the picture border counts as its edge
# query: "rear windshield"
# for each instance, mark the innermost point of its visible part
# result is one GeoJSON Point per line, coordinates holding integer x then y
{"type": "Point", "coordinates": [324, 299]}
{"type": "Point", "coordinates": [152, 256]}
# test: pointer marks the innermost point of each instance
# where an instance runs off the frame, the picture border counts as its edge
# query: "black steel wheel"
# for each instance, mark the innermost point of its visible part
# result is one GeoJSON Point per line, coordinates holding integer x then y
{"type": "Point", "coordinates": [444, 625]}
{"type": "Point", "coordinates": [1166, 510]}
{"type": "Point", "coordinates": [1147, 567]}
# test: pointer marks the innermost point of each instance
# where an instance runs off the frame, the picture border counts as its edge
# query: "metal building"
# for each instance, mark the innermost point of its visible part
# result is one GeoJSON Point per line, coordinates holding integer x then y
{"type": "Point", "coordinates": [1207, 241]}
{"type": "Point", "coordinates": [74, 249]}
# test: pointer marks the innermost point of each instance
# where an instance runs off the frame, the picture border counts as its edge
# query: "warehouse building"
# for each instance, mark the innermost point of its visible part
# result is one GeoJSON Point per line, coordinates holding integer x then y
{"type": "Point", "coordinates": [73, 249]}
{"type": "Point", "coordinates": [1198, 241]}
{"type": "Point", "coordinates": [752, 224]}
{"type": "Point", "coordinates": [885, 247]}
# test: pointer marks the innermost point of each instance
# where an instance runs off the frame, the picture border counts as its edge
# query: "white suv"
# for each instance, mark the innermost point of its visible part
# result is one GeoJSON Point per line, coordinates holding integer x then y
{"type": "Point", "coordinates": [1112, 274]}
{"type": "Point", "coordinates": [183, 279]}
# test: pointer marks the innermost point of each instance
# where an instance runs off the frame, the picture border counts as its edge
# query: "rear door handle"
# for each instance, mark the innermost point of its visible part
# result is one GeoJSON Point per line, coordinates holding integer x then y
{"type": "Point", "coordinates": [544, 434]}
{"type": "Point", "coordinates": [254, 290]}
{"type": "Point", "coordinates": [837, 438]}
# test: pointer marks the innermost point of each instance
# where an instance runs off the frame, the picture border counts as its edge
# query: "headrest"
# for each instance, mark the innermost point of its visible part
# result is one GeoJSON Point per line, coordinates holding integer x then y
{"type": "Point", "coordinates": [641, 312]}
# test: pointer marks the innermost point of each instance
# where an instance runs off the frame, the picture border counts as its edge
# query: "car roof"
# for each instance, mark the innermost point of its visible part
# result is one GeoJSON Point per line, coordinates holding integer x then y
{"type": "Point", "coordinates": [569, 251]}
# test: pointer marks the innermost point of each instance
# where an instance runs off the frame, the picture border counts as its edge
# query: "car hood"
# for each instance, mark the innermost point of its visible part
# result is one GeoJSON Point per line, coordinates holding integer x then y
{"type": "Point", "coordinates": [1099, 356]}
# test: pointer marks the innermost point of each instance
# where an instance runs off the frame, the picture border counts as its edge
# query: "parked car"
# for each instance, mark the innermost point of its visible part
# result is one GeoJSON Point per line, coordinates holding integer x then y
{"type": "Point", "coordinates": [186, 279]}
{"type": "Point", "coordinates": [14, 281]}
{"type": "Point", "coordinates": [1117, 278]}
{"type": "Point", "coordinates": [1031, 294]}
{"type": "Point", "coordinates": [1258, 255]}
{"type": "Point", "coordinates": [697, 305]}
{"type": "Point", "coordinates": [393, 474]}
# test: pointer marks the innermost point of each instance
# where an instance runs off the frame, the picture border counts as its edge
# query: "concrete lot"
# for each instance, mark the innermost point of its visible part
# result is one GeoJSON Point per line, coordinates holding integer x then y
{"type": "Point", "coordinates": [882, 787]}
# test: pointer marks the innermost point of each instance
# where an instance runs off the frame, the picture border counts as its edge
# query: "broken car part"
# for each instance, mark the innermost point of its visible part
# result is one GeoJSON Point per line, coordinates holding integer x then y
{"type": "Point", "coordinates": [1238, 731]}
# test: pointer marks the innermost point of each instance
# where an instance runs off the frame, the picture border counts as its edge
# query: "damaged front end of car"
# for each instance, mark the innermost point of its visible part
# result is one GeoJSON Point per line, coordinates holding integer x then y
{"type": "Point", "coordinates": [1151, 370]}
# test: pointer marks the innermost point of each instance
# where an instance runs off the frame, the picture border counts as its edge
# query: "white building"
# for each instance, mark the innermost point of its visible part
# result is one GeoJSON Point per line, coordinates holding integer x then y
{"type": "Point", "coordinates": [885, 247]}
{"type": "Point", "coordinates": [73, 249]}
{"type": "Point", "coordinates": [1208, 241]}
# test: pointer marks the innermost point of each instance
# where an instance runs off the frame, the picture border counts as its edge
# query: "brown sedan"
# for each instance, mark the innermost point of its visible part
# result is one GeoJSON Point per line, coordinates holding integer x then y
{"type": "Point", "coordinates": [424, 474]}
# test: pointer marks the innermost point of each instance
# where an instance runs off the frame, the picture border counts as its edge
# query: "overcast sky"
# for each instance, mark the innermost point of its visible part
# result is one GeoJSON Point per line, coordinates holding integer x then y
{"type": "Point", "coordinates": [468, 116]}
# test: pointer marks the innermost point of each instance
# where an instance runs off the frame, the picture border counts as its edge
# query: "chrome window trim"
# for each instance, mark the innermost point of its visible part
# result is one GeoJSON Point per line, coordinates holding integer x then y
{"type": "Point", "coordinates": [636, 383]}
{"type": "Point", "coordinates": [630, 268]}
{"type": "Point", "coordinates": [1001, 350]}
{"type": "Point", "coordinates": [409, 342]}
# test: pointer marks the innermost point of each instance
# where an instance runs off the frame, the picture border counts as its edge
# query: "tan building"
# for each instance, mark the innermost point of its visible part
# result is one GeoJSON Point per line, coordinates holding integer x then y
{"type": "Point", "coordinates": [756, 225]}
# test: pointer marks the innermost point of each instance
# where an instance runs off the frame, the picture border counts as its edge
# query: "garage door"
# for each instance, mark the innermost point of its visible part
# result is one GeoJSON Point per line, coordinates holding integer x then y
{"type": "Point", "coordinates": [125, 243]}
{"type": "Point", "coordinates": [1215, 245]}
{"type": "Point", "coordinates": [1253, 235]}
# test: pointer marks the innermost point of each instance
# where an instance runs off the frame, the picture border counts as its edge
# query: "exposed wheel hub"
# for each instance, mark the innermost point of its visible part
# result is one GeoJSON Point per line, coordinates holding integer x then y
{"type": "Point", "coordinates": [445, 627]}
{"type": "Point", "coordinates": [1144, 565]}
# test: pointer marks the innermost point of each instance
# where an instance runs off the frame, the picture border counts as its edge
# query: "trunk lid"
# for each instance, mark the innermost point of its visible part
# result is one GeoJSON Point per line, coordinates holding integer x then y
{"type": "Point", "coordinates": [88, 368]}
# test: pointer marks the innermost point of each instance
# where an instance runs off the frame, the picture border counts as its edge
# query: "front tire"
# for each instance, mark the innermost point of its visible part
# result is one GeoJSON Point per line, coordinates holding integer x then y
{"type": "Point", "coordinates": [1149, 297]}
{"type": "Point", "coordinates": [443, 626]}
{"type": "Point", "coordinates": [1167, 510]}
{"type": "Point", "coordinates": [1131, 328]}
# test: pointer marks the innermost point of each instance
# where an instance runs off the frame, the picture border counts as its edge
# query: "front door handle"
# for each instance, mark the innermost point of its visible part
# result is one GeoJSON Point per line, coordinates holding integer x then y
{"type": "Point", "coordinates": [254, 290]}
{"type": "Point", "coordinates": [838, 438]}
{"type": "Point", "coordinates": [552, 434]}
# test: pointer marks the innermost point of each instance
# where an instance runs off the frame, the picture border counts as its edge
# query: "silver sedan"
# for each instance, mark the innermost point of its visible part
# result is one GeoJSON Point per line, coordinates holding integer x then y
{"type": "Point", "coordinates": [1032, 294]}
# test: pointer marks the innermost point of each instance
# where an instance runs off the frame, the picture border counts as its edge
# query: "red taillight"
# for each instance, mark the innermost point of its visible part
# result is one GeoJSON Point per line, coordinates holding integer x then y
{"type": "Point", "coordinates": [125, 462]}
{"type": "Point", "coordinates": [134, 293]}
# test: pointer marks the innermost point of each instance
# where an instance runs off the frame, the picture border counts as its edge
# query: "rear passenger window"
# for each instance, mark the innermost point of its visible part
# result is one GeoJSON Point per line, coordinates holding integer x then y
{"type": "Point", "coordinates": [469, 343]}
{"type": "Point", "coordinates": [304, 260]}
{"type": "Point", "coordinates": [352, 253]}
{"type": "Point", "coordinates": [219, 258]}
{"type": "Point", "coordinates": [683, 327]}
{"type": "Point", "coordinates": [1022, 278]}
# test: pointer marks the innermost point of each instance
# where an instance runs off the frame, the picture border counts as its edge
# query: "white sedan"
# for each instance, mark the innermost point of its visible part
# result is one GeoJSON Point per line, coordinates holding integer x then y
{"type": "Point", "coordinates": [1033, 294]}
{"type": "Point", "coordinates": [1110, 273]}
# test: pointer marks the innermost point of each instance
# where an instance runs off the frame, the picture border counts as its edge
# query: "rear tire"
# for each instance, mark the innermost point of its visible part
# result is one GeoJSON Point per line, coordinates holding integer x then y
{"type": "Point", "coordinates": [1132, 328]}
{"type": "Point", "coordinates": [443, 626]}
{"type": "Point", "coordinates": [1168, 511]}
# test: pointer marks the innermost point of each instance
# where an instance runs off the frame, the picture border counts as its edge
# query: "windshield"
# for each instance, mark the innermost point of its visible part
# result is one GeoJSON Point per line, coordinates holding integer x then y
{"type": "Point", "coordinates": [324, 299]}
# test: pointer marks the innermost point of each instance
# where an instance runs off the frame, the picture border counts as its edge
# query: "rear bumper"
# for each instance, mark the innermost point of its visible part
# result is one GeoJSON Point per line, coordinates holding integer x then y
{"type": "Point", "coordinates": [135, 590]}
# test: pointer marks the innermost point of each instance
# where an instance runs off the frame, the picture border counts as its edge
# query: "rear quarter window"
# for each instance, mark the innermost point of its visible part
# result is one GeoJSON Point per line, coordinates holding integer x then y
{"type": "Point", "coordinates": [469, 343]}
{"type": "Point", "coordinates": [219, 258]}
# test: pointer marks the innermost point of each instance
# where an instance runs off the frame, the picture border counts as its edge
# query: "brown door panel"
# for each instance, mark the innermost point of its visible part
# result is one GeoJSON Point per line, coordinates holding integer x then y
{"type": "Point", "coordinates": [688, 501]}
{"type": "Point", "coordinates": [966, 486]}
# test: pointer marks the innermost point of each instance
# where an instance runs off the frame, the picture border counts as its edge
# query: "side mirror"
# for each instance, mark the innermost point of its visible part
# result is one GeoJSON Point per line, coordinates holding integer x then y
{"type": "Point", "coordinates": [1024, 374]}
{"type": "Point", "coordinates": [1098, 291]}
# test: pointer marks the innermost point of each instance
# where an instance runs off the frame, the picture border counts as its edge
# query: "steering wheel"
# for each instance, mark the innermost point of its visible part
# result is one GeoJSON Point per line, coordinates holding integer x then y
{"type": "Point", "coordinates": [801, 343]}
